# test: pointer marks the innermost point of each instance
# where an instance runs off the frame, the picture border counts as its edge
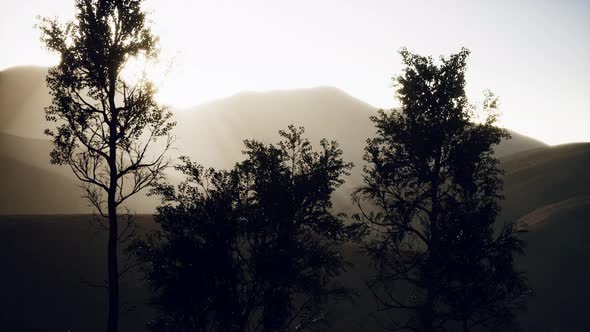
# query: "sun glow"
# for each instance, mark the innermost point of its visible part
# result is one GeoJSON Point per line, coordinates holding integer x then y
{"type": "Point", "coordinates": [141, 68]}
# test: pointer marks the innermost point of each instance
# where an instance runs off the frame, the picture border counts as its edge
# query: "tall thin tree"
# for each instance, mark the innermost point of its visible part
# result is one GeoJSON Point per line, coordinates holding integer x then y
{"type": "Point", "coordinates": [105, 125]}
{"type": "Point", "coordinates": [430, 197]}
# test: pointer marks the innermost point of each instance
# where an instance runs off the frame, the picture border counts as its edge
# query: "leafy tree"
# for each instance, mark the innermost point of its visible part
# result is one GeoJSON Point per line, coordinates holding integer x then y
{"type": "Point", "coordinates": [252, 248]}
{"type": "Point", "coordinates": [105, 126]}
{"type": "Point", "coordinates": [430, 201]}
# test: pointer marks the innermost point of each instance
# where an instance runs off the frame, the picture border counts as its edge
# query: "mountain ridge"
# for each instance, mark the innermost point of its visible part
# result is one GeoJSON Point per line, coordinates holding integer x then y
{"type": "Point", "coordinates": [212, 133]}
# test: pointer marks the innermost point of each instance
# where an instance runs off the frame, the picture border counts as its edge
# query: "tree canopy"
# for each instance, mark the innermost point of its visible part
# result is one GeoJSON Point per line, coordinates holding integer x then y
{"type": "Point", "coordinates": [430, 199]}
{"type": "Point", "coordinates": [253, 248]}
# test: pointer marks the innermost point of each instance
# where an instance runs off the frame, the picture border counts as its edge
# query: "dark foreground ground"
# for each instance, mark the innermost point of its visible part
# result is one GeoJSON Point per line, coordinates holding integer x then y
{"type": "Point", "coordinates": [44, 259]}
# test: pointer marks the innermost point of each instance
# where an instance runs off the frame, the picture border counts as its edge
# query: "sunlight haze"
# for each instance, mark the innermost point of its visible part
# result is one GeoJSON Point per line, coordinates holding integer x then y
{"type": "Point", "coordinates": [533, 55]}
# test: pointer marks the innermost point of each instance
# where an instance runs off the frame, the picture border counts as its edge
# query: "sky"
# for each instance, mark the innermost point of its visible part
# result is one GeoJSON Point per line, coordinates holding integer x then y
{"type": "Point", "coordinates": [535, 55]}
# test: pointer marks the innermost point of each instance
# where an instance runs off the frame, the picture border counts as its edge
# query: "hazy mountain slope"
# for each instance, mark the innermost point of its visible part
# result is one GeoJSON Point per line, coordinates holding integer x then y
{"type": "Point", "coordinates": [542, 177]}
{"type": "Point", "coordinates": [548, 212]}
{"type": "Point", "coordinates": [213, 133]}
{"type": "Point", "coordinates": [23, 95]}
{"type": "Point", "coordinates": [325, 112]}
{"type": "Point", "coordinates": [32, 190]}
{"type": "Point", "coordinates": [557, 254]}
{"type": "Point", "coordinates": [217, 129]}
{"type": "Point", "coordinates": [32, 185]}
{"type": "Point", "coordinates": [31, 151]}
{"type": "Point", "coordinates": [210, 134]}
{"type": "Point", "coordinates": [548, 190]}
{"type": "Point", "coordinates": [516, 144]}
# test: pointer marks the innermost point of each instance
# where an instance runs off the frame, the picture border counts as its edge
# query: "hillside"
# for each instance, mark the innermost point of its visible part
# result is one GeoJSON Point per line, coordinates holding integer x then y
{"type": "Point", "coordinates": [33, 190]}
{"type": "Point", "coordinates": [217, 129]}
{"type": "Point", "coordinates": [324, 111]}
{"type": "Point", "coordinates": [23, 95]}
{"type": "Point", "coordinates": [547, 192]}
{"type": "Point", "coordinates": [558, 250]}
{"type": "Point", "coordinates": [543, 177]}
{"type": "Point", "coordinates": [30, 151]}
{"type": "Point", "coordinates": [210, 133]}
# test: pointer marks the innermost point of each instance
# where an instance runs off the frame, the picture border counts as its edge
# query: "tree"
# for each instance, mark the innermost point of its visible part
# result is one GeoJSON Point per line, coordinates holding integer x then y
{"type": "Point", "coordinates": [105, 126]}
{"type": "Point", "coordinates": [430, 201]}
{"type": "Point", "coordinates": [252, 248]}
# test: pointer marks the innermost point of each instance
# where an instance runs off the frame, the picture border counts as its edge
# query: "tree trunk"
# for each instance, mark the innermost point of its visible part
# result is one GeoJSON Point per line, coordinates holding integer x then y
{"type": "Point", "coordinates": [427, 315]}
{"type": "Point", "coordinates": [113, 264]}
{"type": "Point", "coordinates": [112, 261]}
{"type": "Point", "coordinates": [113, 267]}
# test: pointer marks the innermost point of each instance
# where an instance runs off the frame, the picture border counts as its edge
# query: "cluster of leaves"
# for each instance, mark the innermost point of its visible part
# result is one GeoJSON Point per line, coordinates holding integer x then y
{"type": "Point", "coordinates": [249, 249]}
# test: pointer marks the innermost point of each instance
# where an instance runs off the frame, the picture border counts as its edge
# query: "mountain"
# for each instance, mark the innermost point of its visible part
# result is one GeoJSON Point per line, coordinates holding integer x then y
{"type": "Point", "coordinates": [30, 151]}
{"type": "Point", "coordinates": [556, 263]}
{"type": "Point", "coordinates": [325, 112]}
{"type": "Point", "coordinates": [516, 144]}
{"type": "Point", "coordinates": [547, 192]}
{"type": "Point", "coordinates": [32, 185]}
{"type": "Point", "coordinates": [218, 128]}
{"type": "Point", "coordinates": [211, 133]}
{"type": "Point", "coordinates": [544, 180]}
{"type": "Point", "coordinates": [23, 95]}
{"type": "Point", "coordinates": [32, 190]}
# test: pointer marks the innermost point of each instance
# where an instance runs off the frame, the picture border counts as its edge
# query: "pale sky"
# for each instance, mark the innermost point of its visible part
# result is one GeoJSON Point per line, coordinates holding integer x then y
{"type": "Point", "coordinates": [535, 55]}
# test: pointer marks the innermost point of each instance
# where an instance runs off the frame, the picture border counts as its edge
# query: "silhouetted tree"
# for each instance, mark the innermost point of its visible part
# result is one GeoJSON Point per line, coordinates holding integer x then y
{"type": "Point", "coordinates": [252, 248]}
{"type": "Point", "coordinates": [105, 125]}
{"type": "Point", "coordinates": [431, 191]}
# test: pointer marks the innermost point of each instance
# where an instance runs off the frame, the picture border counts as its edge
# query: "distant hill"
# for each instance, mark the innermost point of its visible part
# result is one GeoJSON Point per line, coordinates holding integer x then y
{"type": "Point", "coordinates": [32, 185]}
{"type": "Point", "coordinates": [23, 95]}
{"type": "Point", "coordinates": [29, 189]}
{"type": "Point", "coordinates": [325, 112]}
{"type": "Point", "coordinates": [30, 151]}
{"type": "Point", "coordinates": [547, 191]}
{"type": "Point", "coordinates": [211, 133]}
{"type": "Point", "coordinates": [552, 176]}
{"type": "Point", "coordinates": [556, 262]}
{"type": "Point", "coordinates": [218, 128]}
{"type": "Point", "coordinates": [517, 143]}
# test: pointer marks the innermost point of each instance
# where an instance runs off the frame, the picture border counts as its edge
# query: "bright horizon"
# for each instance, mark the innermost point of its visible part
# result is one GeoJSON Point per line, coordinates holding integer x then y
{"type": "Point", "coordinates": [533, 55]}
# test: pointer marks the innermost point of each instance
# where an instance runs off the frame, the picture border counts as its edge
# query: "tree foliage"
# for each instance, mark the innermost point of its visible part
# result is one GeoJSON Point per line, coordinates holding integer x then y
{"type": "Point", "coordinates": [430, 200]}
{"type": "Point", "coordinates": [105, 125]}
{"type": "Point", "coordinates": [253, 248]}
